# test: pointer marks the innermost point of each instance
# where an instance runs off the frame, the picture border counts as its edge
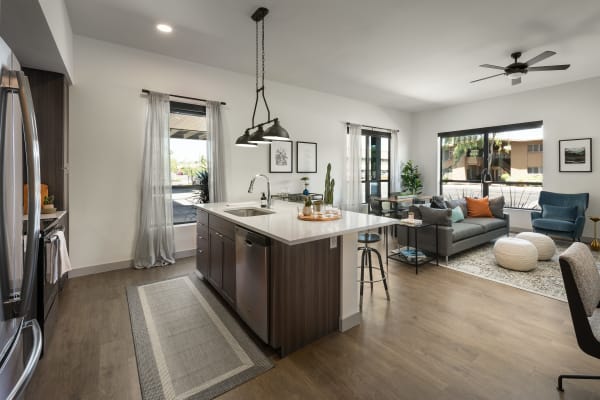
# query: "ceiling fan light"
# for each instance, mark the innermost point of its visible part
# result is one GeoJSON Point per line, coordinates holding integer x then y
{"type": "Point", "coordinates": [242, 141]}
{"type": "Point", "coordinates": [276, 132]}
{"type": "Point", "coordinates": [515, 75]}
{"type": "Point", "coordinates": [258, 137]}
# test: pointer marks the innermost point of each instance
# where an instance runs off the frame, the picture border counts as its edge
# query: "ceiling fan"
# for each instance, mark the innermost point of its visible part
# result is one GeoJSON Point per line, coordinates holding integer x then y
{"type": "Point", "coordinates": [517, 69]}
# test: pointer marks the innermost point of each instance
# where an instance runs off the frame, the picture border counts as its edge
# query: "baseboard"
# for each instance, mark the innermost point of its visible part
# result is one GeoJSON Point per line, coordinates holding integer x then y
{"type": "Point", "coordinates": [584, 239]}
{"type": "Point", "coordinates": [350, 322]}
{"type": "Point", "coordinates": [98, 269]}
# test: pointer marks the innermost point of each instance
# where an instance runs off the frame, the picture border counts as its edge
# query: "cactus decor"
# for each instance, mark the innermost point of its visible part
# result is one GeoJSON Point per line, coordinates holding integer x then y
{"type": "Point", "coordinates": [329, 186]}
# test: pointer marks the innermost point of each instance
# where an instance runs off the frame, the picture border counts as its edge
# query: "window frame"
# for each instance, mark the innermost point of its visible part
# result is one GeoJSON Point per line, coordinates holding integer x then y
{"type": "Point", "coordinates": [366, 134]}
{"type": "Point", "coordinates": [485, 132]}
{"type": "Point", "coordinates": [178, 107]}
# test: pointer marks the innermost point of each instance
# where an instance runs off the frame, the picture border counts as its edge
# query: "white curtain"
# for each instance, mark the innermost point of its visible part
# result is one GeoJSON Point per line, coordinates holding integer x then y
{"type": "Point", "coordinates": [352, 185]}
{"type": "Point", "coordinates": [155, 239]}
{"type": "Point", "coordinates": [216, 170]}
{"type": "Point", "coordinates": [396, 180]}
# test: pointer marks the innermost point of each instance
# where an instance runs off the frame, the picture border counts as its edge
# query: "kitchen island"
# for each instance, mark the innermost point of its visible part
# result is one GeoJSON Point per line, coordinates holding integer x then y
{"type": "Point", "coordinates": [312, 267]}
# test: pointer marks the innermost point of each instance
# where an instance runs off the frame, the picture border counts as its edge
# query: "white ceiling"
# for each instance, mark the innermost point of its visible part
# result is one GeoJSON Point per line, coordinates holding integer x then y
{"type": "Point", "coordinates": [406, 54]}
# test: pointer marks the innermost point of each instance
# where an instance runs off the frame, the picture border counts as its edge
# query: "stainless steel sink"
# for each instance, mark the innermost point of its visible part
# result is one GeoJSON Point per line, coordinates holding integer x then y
{"type": "Point", "coordinates": [249, 212]}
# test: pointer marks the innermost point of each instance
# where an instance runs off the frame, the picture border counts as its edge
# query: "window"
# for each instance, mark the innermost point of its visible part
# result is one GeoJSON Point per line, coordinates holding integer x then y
{"type": "Point", "coordinates": [375, 164]}
{"type": "Point", "coordinates": [503, 160]}
{"type": "Point", "coordinates": [188, 157]}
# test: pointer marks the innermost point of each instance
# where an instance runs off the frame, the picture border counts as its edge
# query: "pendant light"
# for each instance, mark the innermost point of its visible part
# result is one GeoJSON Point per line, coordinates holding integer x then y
{"type": "Point", "coordinates": [275, 131]}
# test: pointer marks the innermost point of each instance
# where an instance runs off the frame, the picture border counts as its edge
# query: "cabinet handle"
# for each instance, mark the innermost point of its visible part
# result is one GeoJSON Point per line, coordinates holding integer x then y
{"type": "Point", "coordinates": [200, 237]}
{"type": "Point", "coordinates": [200, 251]}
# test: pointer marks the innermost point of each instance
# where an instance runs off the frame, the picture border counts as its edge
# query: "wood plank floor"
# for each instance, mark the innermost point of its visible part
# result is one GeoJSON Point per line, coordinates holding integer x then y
{"type": "Point", "coordinates": [443, 335]}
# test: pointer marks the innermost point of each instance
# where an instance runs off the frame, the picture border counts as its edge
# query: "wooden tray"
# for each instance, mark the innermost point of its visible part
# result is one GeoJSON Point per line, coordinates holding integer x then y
{"type": "Point", "coordinates": [319, 217]}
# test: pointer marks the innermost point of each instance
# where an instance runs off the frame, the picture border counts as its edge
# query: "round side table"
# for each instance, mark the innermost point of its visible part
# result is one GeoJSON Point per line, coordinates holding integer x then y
{"type": "Point", "coordinates": [595, 245]}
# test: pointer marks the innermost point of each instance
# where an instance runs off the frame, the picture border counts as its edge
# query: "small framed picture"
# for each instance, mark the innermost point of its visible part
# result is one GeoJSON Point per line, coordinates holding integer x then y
{"type": "Point", "coordinates": [575, 155]}
{"type": "Point", "coordinates": [306, 157]}
{"type": "Point", "coordinates": [280, 156]}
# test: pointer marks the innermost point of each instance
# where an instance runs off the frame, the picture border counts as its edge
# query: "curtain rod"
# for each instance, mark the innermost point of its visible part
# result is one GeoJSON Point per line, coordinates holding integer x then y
{"type": "Point", "coordinates": [372, 127]}
{"type": "Point", "coordinates": [146, 91]}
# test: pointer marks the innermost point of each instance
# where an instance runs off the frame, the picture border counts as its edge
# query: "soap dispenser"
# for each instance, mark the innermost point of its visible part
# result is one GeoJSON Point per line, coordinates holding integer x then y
{"type": "Point", "coordinates": [263, 200]}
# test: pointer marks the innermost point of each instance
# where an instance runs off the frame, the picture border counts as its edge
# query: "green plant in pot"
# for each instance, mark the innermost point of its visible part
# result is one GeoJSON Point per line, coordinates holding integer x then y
{"type": "Point", "coordinates": [305, 180]}
{"type": "Point", "coordinates": [411, 178]}
{"type": "Point", "coordinates": [329, 186]}
{"type": "Point", "coordinates": [48, 205]}
{"type": "Point", "coordinates": [307, 210]}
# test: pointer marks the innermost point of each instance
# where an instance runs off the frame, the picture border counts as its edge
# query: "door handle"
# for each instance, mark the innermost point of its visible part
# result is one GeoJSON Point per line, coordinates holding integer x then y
{"type": "Point", "coordinates": [31, 363]}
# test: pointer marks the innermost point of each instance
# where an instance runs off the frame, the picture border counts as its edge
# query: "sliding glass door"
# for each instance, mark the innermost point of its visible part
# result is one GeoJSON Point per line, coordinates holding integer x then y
{"type": "Point", "coordinates": [375, 164]}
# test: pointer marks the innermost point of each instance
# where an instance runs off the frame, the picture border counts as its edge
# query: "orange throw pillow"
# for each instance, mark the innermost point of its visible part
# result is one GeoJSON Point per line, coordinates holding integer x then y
{"type": "Point", "coordinates": [479, 208]}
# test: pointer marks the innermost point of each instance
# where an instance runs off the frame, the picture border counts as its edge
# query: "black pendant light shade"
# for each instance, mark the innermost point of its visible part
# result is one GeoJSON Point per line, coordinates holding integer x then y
{"type": "Point", "coordinates": [242, 141]}
{"type": "Point", "coordinates": [258, 137]}
{"type": "Point", "coordinates": [276, 132]}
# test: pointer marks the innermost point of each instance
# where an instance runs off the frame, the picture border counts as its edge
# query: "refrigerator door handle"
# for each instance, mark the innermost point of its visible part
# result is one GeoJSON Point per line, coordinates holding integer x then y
{"type": "Point", "coordinates": [34, 357]}
{"type": "Point", "coordinates": [32, 154]}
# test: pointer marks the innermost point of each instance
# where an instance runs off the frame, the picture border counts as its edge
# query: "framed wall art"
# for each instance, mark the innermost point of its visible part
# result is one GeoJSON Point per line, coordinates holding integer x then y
{"type": "Point", "coordinates": [575, 155]}
{"type": "Point", "coordinates": [306, 157]}
{"type": "Point", "coordinates": [280, 156]}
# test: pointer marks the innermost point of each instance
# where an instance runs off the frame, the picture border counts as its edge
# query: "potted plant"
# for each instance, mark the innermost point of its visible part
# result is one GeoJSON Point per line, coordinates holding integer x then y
{"type": "Point", "coordinates": [307, 210]}
{"type": "Point", "coordinates": [305, 179]}
{"type": "Point", "coordinates": [411, 178]}
{"type": "Point", "coordinates": [329, 186]}
{"type": "Point", "coordinates": [48, 206]}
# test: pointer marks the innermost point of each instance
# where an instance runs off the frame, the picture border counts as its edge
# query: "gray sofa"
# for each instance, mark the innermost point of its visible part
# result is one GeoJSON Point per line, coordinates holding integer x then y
{"type": "Point", "coordinates": [458, 236]}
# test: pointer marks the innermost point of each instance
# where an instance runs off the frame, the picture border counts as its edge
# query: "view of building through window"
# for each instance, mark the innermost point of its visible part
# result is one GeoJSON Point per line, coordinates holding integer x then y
{"type": "Point", "coordinates": [507, 163]}
{"type": "Point", "coordinates": [375, 164]}
{"type": "Point", "coordinates": [188, 156]}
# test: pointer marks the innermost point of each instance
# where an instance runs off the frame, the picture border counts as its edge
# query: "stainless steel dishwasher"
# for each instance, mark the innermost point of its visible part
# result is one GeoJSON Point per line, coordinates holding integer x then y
{"type": "Point", "coordinates": [252, 280]}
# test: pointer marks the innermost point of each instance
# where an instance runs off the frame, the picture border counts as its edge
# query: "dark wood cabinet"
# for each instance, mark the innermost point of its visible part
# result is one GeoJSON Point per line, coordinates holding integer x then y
{"type": "Point", "coordinates": [229, 269]}
{"type": "Point", "coordinates": [50, 93]}
{"type": "Point", "coordinates": [215, 253]}
{"type": "Point", "coordinates": [215, 273]}
{"type": "Point", "coordinates": [202, 244]}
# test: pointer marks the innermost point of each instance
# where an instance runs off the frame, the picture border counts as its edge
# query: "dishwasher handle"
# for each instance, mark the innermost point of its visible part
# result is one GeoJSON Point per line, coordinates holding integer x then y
{"type": "Point", "coordinates": [252, 239]}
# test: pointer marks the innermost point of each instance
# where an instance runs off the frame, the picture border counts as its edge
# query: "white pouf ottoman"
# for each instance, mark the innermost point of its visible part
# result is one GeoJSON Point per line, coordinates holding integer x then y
{"type": "Point", "coordinates": [544, 244]}
{"type": "Point", "coordinates": [515, 254]}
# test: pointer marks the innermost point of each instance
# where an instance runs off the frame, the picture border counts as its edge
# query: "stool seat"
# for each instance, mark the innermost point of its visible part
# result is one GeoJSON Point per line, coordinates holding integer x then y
{"type": "Point", "coordinates": [368, 238]}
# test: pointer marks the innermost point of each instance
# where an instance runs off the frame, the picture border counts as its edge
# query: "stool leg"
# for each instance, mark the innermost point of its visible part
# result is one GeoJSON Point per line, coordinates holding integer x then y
{"type": "Point", "coordinates": [370, 269]}
{"type": "Point", "coordinates": [362, 278]}
{"type": "Point", "coordinates": [383, 276]}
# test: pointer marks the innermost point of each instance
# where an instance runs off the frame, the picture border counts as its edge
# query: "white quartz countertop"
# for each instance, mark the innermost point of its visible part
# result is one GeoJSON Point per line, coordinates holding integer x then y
{"type": "Point", "coordinates": [283, 225]}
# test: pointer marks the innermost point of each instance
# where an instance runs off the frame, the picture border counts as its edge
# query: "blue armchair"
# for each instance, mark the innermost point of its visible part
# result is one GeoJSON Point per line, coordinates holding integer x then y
{"type": "Point", "coordinates": [561, 215]}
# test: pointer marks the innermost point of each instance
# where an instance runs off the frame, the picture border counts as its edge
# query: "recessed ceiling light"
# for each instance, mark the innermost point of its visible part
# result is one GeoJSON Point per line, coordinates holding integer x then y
{"type": "Point", "coordinates": [164, 28]}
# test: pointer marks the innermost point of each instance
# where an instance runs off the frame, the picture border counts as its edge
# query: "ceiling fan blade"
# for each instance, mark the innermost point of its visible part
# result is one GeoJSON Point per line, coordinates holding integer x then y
{"type": "Point", "coordinates": [550, 68]}
{"type": "Point", "coordinates": [540, 57]}
{"type": "Point", "coordinates": [491, 66]}
{"type": "Point", "coordinates": [487, 77]}
{"type": "Point", "coordinates": [516, 81]}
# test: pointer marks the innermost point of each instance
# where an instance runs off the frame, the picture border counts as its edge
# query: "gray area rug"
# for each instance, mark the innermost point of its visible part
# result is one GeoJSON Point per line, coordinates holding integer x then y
{"type": "Point", "coordinates": [546, 279]}
{"type": "Point", "coordinates": [187, 344]}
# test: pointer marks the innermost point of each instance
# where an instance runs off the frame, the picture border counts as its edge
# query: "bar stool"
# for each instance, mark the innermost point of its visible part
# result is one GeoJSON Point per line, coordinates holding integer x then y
{"type": "Point", "coordinates": [366, 239]}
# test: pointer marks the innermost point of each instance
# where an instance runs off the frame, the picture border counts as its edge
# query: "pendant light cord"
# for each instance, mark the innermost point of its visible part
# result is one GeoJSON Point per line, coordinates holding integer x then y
{"type": "Point", "coordinates": [261, 89]}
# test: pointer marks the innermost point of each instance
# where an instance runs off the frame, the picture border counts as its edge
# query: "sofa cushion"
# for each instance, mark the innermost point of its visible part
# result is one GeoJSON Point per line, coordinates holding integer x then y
{"type": "Point", "coordinates": [478, 207]}
{"type": "Point", "coordinates": [595, 324]}
{"type": "Point", "coordinates": [436, 216]}
{"type": "Point", "coordinates": [558, 212]}
{"type": "Point", "coordinates": [553, 225]}
{"type": "Point", "coordinates": [488, 224]}
{"type": "Point", "coordinates": [438, 202]}
{"type": "Point", "coordinates": [462, 230]}
{"type": "Point", "coordinates": [457, 215]}
{"type": "Point", "coordinates": [462, 203]}
{"type": "Point", "coordinates": [497, 206]}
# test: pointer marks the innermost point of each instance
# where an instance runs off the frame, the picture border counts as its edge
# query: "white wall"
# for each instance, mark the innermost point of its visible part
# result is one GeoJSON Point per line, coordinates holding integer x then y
{"type": "Point", "coordinates": [58, 21]}
{"type": "Point", "coordinates": [107, 117]}
{"type": "Point", "coordinates": [569, 111]}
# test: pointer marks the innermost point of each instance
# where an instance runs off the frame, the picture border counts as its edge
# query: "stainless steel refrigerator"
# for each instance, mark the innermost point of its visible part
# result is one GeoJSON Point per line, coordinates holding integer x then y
{"type": "Point", "coordinates": [20, 335]}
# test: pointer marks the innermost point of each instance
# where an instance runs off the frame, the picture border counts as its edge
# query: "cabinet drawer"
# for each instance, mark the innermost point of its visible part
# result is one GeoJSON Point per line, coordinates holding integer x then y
{"type": "Point", "coordinates": [222, 226]}
{"type": "Point", "coordinates": [202, 260]}
{"type": "Point", "coordinates": [202, 243]}
{"type": "Point", "coordinates": [202, 230]}
{"type": "Point", "coordinates": [201, 217]}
